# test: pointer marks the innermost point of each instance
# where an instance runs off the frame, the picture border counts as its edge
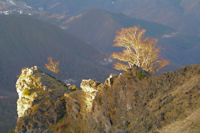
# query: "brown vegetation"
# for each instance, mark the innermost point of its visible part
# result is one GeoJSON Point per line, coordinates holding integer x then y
{"type": "Point", "coordinates": [138, 51]}
{"type": "Point", "coordinates": [52, 66]}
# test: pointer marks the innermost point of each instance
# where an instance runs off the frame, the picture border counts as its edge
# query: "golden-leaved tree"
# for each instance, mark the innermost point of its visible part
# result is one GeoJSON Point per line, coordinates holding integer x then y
{"type": "Point", "coordinates": [137, 50]}
{"type": "Point", "coordinates": [52, 66]}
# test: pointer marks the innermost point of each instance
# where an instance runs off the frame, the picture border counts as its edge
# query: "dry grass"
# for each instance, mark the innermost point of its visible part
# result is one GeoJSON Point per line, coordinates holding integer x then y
{"type": "Point", "coordinates": [191, 124]}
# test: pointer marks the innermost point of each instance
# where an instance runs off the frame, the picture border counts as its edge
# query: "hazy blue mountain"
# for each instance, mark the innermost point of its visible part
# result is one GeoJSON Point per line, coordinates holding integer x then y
{"type": "Point", "coordinates": [98, 27]}
{"type": "Point", "coordinates": [25, 41]}
{"type": "Point", "coordinates": [13, 4]}
{"type": "Point", "coordinates": [182, 15]}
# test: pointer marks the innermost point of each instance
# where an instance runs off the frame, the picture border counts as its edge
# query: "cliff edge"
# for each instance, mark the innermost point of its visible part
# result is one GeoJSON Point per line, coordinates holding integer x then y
{"type": "Point", "coordinates": [131, 102]}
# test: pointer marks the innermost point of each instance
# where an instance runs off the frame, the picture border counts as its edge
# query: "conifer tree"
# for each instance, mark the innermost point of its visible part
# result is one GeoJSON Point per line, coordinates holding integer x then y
{"type": "Point", "coordinates": [137, 50]}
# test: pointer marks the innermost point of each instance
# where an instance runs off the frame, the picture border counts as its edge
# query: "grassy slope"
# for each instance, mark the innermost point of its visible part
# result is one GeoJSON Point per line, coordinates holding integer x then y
{"type": "Point", "coordinates": [154, 102]}
{"type": "Point", "coordinates": [191, 124]}
{"type": "Point", "coordinates": [168, 103]}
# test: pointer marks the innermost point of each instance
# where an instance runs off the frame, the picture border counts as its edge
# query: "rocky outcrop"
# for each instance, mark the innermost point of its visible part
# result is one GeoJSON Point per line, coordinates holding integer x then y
{"type": "Point", "coordinates": [90, 87]}
{"type": "Point", "coordinates": [26, 83]}
{"type": "Point", "coordinates": [40, 102]}
{"type": "Point", "coordinates": [43, 101]}
{"type": "Point", "coordinates": [133, 101]}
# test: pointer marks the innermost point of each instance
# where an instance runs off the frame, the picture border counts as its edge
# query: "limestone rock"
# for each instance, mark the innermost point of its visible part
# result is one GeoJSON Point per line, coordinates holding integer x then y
{"type": "Point", "coordinates": [109, 81]}
{"type": "Point", "coordinates": [90, 87]}
{"type": "Point", "coordinates": [39, 93]}
{"type": "Point", "coordinates": [26, 83]}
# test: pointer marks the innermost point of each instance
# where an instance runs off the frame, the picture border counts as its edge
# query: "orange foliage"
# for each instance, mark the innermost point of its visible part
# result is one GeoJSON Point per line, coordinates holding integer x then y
{"type": "Point", "coordinates": [52, 66]}
{"type": "Point", "coordinates": [138, 51]}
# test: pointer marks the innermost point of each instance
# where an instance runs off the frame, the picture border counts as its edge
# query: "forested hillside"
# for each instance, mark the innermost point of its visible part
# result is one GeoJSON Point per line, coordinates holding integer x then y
{"type": "Point", "coordinates": [25, 41]}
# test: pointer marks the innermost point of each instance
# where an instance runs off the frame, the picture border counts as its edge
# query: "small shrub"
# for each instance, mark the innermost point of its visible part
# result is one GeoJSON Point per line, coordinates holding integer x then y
{"type": "Point", "coordinates": [11, 131]}
{"type": "Point", "coordinates": [74, 87]}
{"type": "Point", "coordinates": [141, 75]}
{"type": "Point", "coordinates": [52, 66]}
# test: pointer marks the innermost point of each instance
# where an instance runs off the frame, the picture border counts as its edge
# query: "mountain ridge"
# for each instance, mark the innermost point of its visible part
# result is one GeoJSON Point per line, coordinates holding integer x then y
{"type": "Point", "coordinates": [170, 12]}
{"type": "Point", "coordinates": [124, 103]}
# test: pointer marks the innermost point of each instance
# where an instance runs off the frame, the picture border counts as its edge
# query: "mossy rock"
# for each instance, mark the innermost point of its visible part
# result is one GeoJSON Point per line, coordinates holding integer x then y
{"type": "Point", "coordinates": [27, 92]}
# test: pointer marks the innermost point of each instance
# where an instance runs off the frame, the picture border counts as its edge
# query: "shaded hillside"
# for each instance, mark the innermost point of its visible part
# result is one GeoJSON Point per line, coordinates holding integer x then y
{"type": "Point", "coordinates": [67, 6]}
{"type": "Point", "coordinates": [183, 15]}
{"type": "Point", "coordinates": [14, 5]}
{"type": "Point", "coordinates": [181, 49]}
{"type": "Point", "coordinates": [25, 41]}
{"type": "Point", "coordinates": [98, 27]}
{"type": "Point", "coordinates": [8, 112]}
{"type": "Point", "coordinates": [127, 102]}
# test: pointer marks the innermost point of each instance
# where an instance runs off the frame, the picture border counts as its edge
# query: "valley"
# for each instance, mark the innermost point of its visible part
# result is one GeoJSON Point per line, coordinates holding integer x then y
{"type": "Point", "coordinates": [79, 35]}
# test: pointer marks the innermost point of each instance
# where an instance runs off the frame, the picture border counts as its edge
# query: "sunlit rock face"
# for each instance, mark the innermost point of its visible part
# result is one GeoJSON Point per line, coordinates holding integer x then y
{"type": "Point", "coordinates": [40, 102]}
{"type": "Point", "coordinates": [25, 84]}
{"type": "Point", "coordinates": [90, 87]}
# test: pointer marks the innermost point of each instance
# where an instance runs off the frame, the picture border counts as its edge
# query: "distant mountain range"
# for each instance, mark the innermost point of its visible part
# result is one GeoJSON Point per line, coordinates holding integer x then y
{"type": "Point", "coordinates": [76, 17]}
{"type": "Point", "coordinates": [13, 4]}
{"type": "Point", "coordinates": [98, 28]}
{"type": "Point", "coordinates": [85, 37]}
{"type": "Point", "coordinates": [183, 15]}
{"type": "Point", "coordinates": [25, 41]}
